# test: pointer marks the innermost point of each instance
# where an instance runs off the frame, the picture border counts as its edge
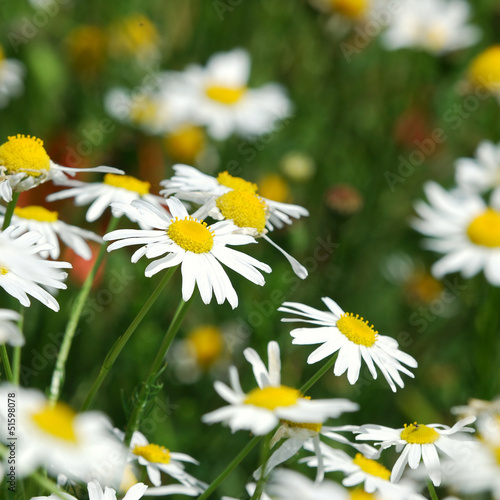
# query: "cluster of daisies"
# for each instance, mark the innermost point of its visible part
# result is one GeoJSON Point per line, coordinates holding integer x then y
{"type": "Point", "coordinates": [463, 223]}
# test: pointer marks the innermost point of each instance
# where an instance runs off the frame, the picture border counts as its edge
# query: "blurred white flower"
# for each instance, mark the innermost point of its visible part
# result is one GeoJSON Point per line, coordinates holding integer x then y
{"type": "Point", "coordinates": [9, 331]}
{"type": "Point", "coordinates": [11, 78]}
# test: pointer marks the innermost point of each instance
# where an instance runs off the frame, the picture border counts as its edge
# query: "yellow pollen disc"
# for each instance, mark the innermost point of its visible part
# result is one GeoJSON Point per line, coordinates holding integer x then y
{"type": "Point", "coordinates": [24, 154]}
{"type": "Point", "coordinates": [419, 434]}
{"type": "Point", "coordinates": [274, 187]}
{"type": "Point", "coordinates": [484, 230]}
{"type": "Point", "coordinates": [357, 330]}
{"type": "Point", "coordinates": [371, 467]}
{"type": "Point", "coordinates": [127, 182]}
{"type": "Point", "coordinates": [3, 270]}
{"type": "Point", "coordinates": [185, 143]}
{"type": "Point", "coordinates": [350, 8]}
{"type": "Point", "coordinates": [225, 95]}
{"type": "Point", "coordinates": [273, 397]}
{"type": "Point", "coordinates": [246, 209]}
{"type": "Point", "coordinates": [191, 234]}
{"type": "Point", "coordinates": [359, 494]}
{"type": "Point", "coordinates": [298, 425]}
{"type": "Point", "coordinates": [35, 212]}
{"type": "Point", "coordinates": [58, 421]}
{"type": "Point", "coordinates": [484, 70]}
{"type": "Point", "coordinates": [153, 453]}
{"type": "Point", "coordinates": [206, 342]}
{"type": "Point", "coordinates": [229, 181]}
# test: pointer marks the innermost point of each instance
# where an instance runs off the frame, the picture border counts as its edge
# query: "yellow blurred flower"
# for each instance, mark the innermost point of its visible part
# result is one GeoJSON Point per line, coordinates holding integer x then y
{"type": "Point", "coordinates": [274, 187]}
{"type": "Point", "coordinates": [206, 344]}
{"type": "Point", "coordinates": [87, 49]}
{"type": "Point", "coordinates": [484, 70]}
{"type": "Point", "coordinates": [299, 167]}
{"type": "Point", "coordinates": [354, 9]}
{"type": "Point", "coordinates": [185, 143]}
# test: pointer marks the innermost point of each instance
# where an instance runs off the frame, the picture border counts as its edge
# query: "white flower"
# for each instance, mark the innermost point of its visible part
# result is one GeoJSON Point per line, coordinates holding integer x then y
{"type": "Point", "coordinates": [438, 26]}
{"type": "Point", "coordinates": [464, 228]}
{"type": "Point", "coordinates": [353, 338]}
{"type": "Point", "coordinates": [250, 487]}
{"type": "Point", "coordinates": [261, 409]}
{"type": "Point", "coordinates": [100, 195]}
{"type": "Point", "coordinates": [47, 223]}
{"type": "Point", "coordinates": [9, 331]}
{"type": "Point", "coordinates": [482, 173]}
{"type": "Point", "coordinates": [419, 442]}
{"type": "Point", "coordinates": [218, 97]}
{"type": "Point", "coordinates": [200, 249]}
{"type": "Point", "coordinates": [23, 272]}
{"type": "Point", "coordinates": [11, 78]}
{"type": "Point", "coordinates": [158, 459]}
{"type": "Point", "coordinates": [229, 197]}
{"type": "Point", "coordinates": [24, 164]}
{"type": "Point", "coordinates": [80, 446]}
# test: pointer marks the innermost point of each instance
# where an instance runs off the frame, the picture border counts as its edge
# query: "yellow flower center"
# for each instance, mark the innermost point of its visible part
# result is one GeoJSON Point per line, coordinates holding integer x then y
{"type": "Point", "coordinates": [245, 208]}
{"type": "Point", "coordinates": [35, 212]}
{"type": "Point", "coordinates": [359, 494]}
{"type": "Point", "coordinates": [299, 425]}
{"type": "Point", "coordinates": [86, 47]}
{"type": "Point", "coordinates": [357, 330]}
{"type": "Point", "coordinates": [24, 154]}
{"type": "Point", "coordinates": [484, 70]}
{"type": "Point", "coordinates": [153, 453]}
{"type": "Point", "coordinates": [133, 35]}
{"type": "Point", "coordinates": [3, 270]}
{"type": "Point", "coordinates": [58, 421]}
{"type": "Point", "coordinates": [419, 434]}
{"type": "Point", "coordinates": [143, 110]}
{"type": "Point", "coordinates": [229, 181]}
{"type": "Point", "coordinates": [484, 230]}
{"type": "Point", "coordinates": [185, 143]}
{"type": "Point", "coordinates": [350, 8]}
{"type": "Point", "coordinates": [272, 397]}
{"type": "Point", "coordinates": [127, 182]}
{"type": "Point", "coordinates": [191, 234]}
{"type": "Point", "coordinates": [274, 187]}
{"type": "Point", "coordinates": [206, 342]}
{"type": "Point", "coordinates": [371, 467]}
{"type": "Point", "coordinates": [496, 453]}
{"type": "Point", "coordinates": [225, 95]}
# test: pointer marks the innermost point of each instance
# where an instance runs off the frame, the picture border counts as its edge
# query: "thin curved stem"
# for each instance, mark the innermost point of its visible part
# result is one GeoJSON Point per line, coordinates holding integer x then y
{"type": "Point", "coordinates": [9, 211]}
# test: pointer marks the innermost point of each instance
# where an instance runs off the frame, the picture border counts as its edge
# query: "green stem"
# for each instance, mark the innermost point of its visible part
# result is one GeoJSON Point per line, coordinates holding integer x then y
{"type": "Point", "coordinates": [157, 365]}
{"type": "Point", "coordinates": [47, 484]}
{"type": "Point", "coordinates": [264, 458]}
{"type": "Point", "coordinates": [16, 361]}
{"type": "Point", "coordinates": [432, 491]}
{"type": "Point", "coordinates": [235, 462]}
{"type": "Point", "coordinates": [76, 312]}
{"type": "Point", "coordinates": [251, 445]}
{"type": "Point", "coordinates": [6, 363]}
{"type": "Point", "coordinates": [9, 211]}
{"type": "Point", "coordinates": [120, 343]}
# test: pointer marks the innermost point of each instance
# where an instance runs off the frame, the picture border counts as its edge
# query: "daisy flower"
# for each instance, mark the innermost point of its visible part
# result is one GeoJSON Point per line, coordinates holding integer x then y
{"type": "Point", "coordinates": [56, 437]}
{"type": "Point", "coordinates": [23, 272]}
{"type": "Point", "coordinates": [100, 195]}
{"type": "Point", "coordinates": [437, 26]}
{"type": "Point", "coordinates": [229, 197]}
{"type": "Point", "coordinates": [261, 409]}
{"type": "Point", "coordinates": [482, 173]}
{"type": "Point", "coordinates": [418, 442]}
{"type": "Point", "coordinates": [218, 97]}
{"type": "Point", "coordinates": [158, 459]}
{"type": "Point", "coordinates": [11, 78]}
{"type": "Point", "coordinates": [9, 331]}
{"type": "Point", "coordinates": [47, 223]}
{"type": "Point", "coordinates": [464, 228]}
{"type": "Point", "coordinates": [24, 164]}
{"type": "Point", "coordinates": [199, 248]}
{"type": "Point", "coordinates": [353, 338]}
{"type": "Point", "coordinates": [250, 487]}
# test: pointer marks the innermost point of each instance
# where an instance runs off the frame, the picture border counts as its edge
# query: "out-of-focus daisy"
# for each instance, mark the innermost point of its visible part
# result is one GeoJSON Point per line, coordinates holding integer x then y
{"type": "Point", "coordinates": [87, 49]}
{"type": "Point", "coordinates": [9, 331]}
{"type": "Point", "coordinates": [11, 78]}
{"type": "Point", "coordinates": [186, 143]}
{"type": "Point", "coordinates": [250, 487]}
{"type": "Point", "coordinates": [158, 459]}
{"type": "Point", "coordinates": [353, 338]}
{"type": "Point", "coordinates": [47, 223]}
{"type": "Point", "coordinates": [464, 228]}
{"type": "Point", "coordinates": [100, 195]}
{"type": "Point", "coordinates": [229, 197]}
{"type": "Point", "coordinates": [438, 26]}
{"type": "Point", "coordinates": [218, 97]}
{"type": "Point", "coordinates": [418, 442]}
{"type": "Point", "coordinates": [261, 409]}
{"type": "Point", "coordinates": [484, 70]}
{"type": "Point", "coordinates": [56, 437]}
{"type": "Point", "coordinates": [200, 249]}
{"type": "Point", "coordinates": [24, 164]}
{"type": "Point", "coordinates": [482, 173]}
{"type": "Point", "coordinates": [23, 272]}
